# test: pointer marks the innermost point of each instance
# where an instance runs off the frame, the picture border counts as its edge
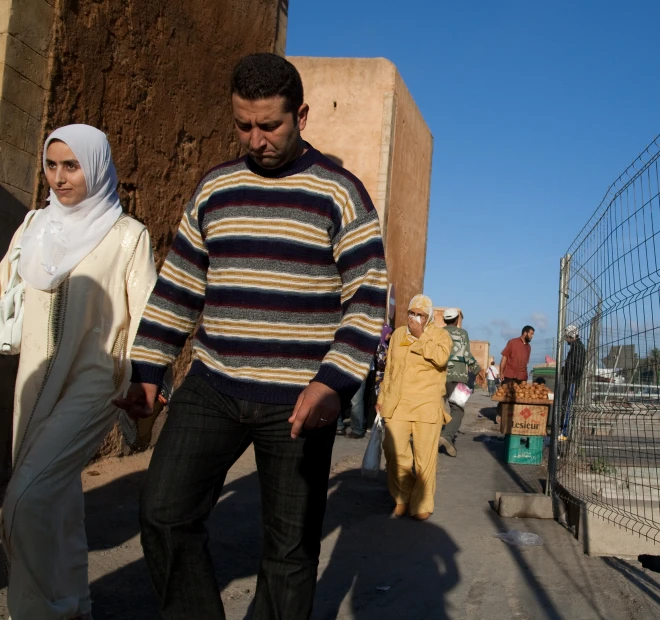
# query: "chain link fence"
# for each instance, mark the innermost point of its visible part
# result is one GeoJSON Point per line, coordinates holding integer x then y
{"type": "Point", "coordinates": [606, 425]}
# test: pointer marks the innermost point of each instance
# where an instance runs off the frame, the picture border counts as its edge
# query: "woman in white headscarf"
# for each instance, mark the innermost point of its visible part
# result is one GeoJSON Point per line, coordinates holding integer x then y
{"type": "Point", "coordinates": [411, 403]}
{"type": "Point", "coordinates": [88, 270]}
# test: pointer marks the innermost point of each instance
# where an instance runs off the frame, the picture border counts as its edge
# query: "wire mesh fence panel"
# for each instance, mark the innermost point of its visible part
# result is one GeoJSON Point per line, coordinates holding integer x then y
{"type": "Point", "coordinates": [607, 414]}
{"type": "Point", "coordinates": [542, 348]}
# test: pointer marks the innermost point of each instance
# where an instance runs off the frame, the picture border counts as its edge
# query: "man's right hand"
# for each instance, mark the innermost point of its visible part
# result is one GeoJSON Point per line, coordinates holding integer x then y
{"type": "Point", "coordinates": [139, 401]}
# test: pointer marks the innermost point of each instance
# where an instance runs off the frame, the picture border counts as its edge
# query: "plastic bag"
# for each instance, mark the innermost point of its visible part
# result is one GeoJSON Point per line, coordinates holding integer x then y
{"type": "Point", "coordinates": [460, 395]}
{"type": "Point", "coordinates": [520, 539]}
{"type": "Point", "coordinates": [371, 460]}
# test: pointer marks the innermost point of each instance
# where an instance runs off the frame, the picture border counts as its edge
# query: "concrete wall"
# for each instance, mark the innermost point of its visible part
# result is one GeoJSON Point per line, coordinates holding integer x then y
{"type": "Point", "coordinates": [363, 116]}
{"type": "Point", "coordinates": [25, 34]}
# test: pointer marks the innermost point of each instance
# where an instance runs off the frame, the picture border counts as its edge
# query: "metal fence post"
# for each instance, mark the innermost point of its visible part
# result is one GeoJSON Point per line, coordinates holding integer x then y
{"type": "Point", "coordinates": [564, 269]}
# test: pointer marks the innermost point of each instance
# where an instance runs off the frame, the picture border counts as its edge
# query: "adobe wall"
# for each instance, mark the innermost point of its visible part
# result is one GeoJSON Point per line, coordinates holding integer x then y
{"type": "Point", "coordinates": [408, 204]}
{"type": "Point", "coordinates": [363, 116]}
{"type": "Point", "coordinates": [347, 99]}
{"type": "Point", "coordinates": [158, 85]}
{"type": "Point", "coordinates": [25, 30]}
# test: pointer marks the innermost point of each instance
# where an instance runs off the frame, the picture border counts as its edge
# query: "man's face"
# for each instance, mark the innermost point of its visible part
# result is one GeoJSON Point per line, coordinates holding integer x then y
{"type": "Point", "coordinates": [269, 134]}
{"type": "Point", "coordinates": [527, 336]}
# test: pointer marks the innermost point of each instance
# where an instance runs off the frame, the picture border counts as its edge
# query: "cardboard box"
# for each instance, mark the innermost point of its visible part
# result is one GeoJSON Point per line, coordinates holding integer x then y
{"type": "Point", "coordinates": [523, 419]}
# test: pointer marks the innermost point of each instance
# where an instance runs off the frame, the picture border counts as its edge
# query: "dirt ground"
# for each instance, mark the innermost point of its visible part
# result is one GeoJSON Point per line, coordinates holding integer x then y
{"type": "Point", "coordinates": [374, 566]}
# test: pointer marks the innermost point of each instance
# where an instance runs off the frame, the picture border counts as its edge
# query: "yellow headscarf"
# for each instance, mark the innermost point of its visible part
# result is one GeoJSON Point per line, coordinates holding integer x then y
{"type": "Point", "coordinates": [424, 303]}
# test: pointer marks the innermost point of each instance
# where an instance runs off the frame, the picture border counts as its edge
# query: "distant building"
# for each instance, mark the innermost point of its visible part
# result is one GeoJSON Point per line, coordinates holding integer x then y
{"type": "Point", "coordinates": [439, 318]}
{"type": "Point", "coordinates": [622, 358]}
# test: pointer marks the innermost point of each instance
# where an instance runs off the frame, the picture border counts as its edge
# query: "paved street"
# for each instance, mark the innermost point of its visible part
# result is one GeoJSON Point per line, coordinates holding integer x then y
{"type": "Point", "coordinates": [374, 566]}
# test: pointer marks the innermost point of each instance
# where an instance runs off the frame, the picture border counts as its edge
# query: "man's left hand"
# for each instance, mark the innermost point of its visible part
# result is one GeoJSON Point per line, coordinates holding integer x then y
{"type": "Point", "coordinates": [416, 329]}
{"type": "Point", "coordinates": [317, 406]}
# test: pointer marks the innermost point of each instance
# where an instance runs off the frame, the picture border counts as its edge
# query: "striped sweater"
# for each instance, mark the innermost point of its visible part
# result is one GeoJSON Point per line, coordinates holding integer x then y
{"type": "Point", "coordinates": [286, 270]}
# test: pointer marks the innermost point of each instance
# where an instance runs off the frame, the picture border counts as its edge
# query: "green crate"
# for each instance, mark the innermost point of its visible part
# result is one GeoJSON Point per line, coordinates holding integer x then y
{"type": "Point", "coordinates": [524, 449]}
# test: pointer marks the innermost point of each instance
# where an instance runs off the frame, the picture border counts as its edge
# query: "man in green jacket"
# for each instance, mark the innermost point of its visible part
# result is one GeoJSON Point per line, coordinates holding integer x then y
{"type": "Point", "coordinates": [461, 362]}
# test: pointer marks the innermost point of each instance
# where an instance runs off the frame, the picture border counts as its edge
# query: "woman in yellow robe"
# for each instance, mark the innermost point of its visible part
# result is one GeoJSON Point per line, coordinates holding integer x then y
{"type": "Point", "coordinates": [88, 270]}
{"type": "Point", "coordinates": [411, 403]}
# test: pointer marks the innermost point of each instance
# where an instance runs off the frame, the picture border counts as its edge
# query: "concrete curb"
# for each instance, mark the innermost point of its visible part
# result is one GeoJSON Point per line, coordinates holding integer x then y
{"type": "Point", "coordinates": [523, 505]}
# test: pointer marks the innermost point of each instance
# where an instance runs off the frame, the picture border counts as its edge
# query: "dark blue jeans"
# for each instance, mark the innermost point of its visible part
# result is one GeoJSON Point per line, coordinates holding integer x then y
{"type": "Point", "coordinates": [358, 421]}
{"type": "Point", "coordinates": [205, 433]}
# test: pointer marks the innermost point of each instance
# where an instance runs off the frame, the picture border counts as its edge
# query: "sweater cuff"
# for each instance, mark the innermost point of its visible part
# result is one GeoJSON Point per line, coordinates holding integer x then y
{"type": "Point", "coordinates": [345, 385]}
{"type": "Point", "coordinates": [147, 373]}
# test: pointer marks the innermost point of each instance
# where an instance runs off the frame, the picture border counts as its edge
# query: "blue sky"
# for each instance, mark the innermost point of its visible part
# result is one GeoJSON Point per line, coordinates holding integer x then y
{"type": "Point", "coordinates": [535, 109]}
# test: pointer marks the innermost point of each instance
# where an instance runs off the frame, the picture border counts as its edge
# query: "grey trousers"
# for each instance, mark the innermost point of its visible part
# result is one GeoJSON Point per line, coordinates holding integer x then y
{"type": "Point", "coordinates": [450, 431]}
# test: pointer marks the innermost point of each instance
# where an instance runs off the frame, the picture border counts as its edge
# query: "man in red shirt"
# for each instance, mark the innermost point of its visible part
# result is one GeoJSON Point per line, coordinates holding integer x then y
{"type": "Point", "coordinates": [515, 357]}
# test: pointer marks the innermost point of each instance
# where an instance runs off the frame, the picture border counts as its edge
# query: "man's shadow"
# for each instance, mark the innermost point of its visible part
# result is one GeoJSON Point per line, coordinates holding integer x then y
{"type": "Point", "coordinates": [412, 562]}
{"type": "Point", "coordinates": [387, 567]}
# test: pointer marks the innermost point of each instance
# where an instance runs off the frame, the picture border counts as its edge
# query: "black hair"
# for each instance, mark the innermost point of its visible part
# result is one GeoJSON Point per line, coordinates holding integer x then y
{"type": "Point", "coordinates": [527, 328]}
{"type": "Point", "coordinates": [451, 321]}
{"type": "Point", "coordinates": [262, 76]}
{"type": "Point", "coordinates": [539, 380]}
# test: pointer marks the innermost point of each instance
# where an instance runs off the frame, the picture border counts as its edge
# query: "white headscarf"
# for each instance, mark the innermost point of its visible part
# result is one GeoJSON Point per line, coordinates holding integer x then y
{"type": "Point", "coordinates": [60, 237]}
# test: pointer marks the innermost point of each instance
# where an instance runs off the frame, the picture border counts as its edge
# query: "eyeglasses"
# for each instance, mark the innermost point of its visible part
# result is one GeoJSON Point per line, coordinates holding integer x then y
{"type": "Point", "coordinates": [421, 315]}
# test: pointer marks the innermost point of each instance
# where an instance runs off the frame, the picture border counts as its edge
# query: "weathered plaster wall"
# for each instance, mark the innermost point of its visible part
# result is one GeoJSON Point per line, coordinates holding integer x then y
{"type": "Point", "coordinates": [408, 204]}
{"type": "Point", "coordinates": [25, 32]}
{"type": "Point", "coordinates": [154, 75]}
{"type": "Point", "coordinates": [362, 114]}
{"type": "Point", "coordinates": [346, 98]}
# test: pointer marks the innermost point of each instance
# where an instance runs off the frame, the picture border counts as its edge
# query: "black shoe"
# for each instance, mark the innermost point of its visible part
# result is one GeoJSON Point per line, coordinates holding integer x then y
{"type": "Point", "coordinates": [341, 431]}
{"type": "Point", "coordinates": [353, 435]}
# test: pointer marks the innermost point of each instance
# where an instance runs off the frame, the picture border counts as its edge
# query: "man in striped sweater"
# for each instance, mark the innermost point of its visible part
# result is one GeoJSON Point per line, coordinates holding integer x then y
{"type": "Point", "coordinates": [279, 263]}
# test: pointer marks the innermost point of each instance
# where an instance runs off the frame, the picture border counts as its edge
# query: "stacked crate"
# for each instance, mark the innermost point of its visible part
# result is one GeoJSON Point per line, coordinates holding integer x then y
{"type": "Point", "coordinates": [523, 423]}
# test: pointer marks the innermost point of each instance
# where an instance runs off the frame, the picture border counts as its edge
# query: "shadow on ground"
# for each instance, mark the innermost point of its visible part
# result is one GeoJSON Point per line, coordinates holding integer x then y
{"type": "Point", "coordinates": [528, 478]}
{"type": "Point", "coordinates": [373, 562]}
{"type": "Point", "coordinates": [637, 577]}
{"type": "Point", "coordinates": [394, 568]}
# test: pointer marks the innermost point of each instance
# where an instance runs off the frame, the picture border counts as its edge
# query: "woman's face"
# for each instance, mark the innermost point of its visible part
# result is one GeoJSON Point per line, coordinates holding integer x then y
{"type": "Point", "coordinates": [64, 174]}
